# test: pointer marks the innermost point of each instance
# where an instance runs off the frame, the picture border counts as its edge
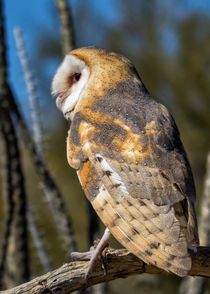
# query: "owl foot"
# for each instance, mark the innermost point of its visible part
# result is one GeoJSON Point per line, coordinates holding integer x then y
{"type": "Point", "coordinates": [82, 256]}
{"type": "Point", "coordinates": [102, 254]}
{"type": "Point", "coordinates": [98, 252]}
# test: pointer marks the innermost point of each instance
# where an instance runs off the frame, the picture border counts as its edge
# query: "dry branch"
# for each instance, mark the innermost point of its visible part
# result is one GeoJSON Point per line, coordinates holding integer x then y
{"type": "Point", "coordinates": [32, 95]}
{"type": "Point", "coordinates": [119, 263]}
{"type": "Point", "coordinates": [68, 33]}
{"type": "Point", "coordinates": [15, 188]}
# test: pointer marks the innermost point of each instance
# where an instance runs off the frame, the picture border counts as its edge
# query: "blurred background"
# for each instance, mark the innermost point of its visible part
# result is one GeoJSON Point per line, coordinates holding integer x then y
{"type": "Point", "coordinates": [169, 43]}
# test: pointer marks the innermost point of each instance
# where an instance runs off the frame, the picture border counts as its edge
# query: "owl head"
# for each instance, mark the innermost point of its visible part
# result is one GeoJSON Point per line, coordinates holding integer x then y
{"type": "Point", "coordinates": [87, 74]}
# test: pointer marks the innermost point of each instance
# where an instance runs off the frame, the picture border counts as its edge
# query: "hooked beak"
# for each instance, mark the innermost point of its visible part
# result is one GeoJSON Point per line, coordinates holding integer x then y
{"type": "Point", "coordinates": [65, 106]}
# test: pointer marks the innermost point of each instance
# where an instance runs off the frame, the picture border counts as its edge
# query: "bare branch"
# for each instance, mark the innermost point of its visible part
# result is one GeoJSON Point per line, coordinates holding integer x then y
{"type": "Point", "coordinates": [17, 178]}
{"type": "Point", "coordinates": [68, 34]}
{"type": "Point", "coordinates": [37, 240]}
{"type": "Point", "coordinates": [120, 264]}
{"type": "Point", "coordinates": [9, 201]}
{"type": "Point", "coordinates": [37, 132]}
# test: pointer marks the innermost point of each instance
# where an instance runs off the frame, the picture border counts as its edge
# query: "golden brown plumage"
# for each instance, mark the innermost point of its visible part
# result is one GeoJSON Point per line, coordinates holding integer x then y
{"type": "Point", "coordinates": [129, 158]}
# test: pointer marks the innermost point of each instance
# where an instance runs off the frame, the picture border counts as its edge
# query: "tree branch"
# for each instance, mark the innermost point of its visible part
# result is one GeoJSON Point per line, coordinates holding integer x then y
{"type": "Point", "coordinates": [67, 27]}
{"type": "Point", "coordinates": [16, 187]}
{"type": "Point", "coordinates": [119, 263]}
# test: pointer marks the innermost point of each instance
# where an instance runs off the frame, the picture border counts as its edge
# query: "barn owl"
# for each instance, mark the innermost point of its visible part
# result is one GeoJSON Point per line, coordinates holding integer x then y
{"type": "Point", "coordinates": [129, 158]}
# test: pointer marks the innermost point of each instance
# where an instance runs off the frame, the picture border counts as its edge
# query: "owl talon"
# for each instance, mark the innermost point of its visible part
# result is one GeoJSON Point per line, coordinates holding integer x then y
{"type": "Point", "coordinates": [101, 257]}
{"type": "Point", "coordinates": [95, 244]}
{"type": "Point", "coordinates": [104, 259]}
{"type": "Point", "coordinates": [82, 256]}
{"type": "Point", "coordinates": [98, 253]}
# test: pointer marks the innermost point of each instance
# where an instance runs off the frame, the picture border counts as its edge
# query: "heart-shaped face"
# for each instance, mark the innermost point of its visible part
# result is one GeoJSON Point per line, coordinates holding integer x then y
{"type": "Point", "coordinates": [69, 83]}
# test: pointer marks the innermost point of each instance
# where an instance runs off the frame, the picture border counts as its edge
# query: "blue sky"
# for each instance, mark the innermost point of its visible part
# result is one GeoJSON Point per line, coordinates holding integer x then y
{"type": "Point", "coordinates": [32, 16]}
{"type": "Point", "coordinates": [36, 17]}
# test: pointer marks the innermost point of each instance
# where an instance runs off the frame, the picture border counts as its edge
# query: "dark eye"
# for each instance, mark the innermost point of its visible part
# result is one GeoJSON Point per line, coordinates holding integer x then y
{"type": "Point", "coordinates": [76, 77]}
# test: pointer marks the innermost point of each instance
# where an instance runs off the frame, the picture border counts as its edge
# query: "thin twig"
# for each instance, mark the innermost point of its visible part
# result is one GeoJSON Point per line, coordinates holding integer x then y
{"type": "Point", "coordinates": [38, 241]}
{"type": "Point", "coordinates": [36, 124]}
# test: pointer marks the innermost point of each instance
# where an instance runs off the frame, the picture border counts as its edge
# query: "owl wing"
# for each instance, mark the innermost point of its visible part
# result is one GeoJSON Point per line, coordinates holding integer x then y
{"type": "Point", "coordinates": [141, 186]}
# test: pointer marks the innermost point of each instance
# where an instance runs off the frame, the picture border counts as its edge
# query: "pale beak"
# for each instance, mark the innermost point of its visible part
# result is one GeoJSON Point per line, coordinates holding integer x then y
{"type": "Point", "coordinates": [59, 102]}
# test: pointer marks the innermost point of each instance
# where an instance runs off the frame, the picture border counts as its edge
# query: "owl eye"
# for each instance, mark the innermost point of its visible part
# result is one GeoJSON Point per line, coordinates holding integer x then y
{"type": "Point", "coordinates": [76, 77]}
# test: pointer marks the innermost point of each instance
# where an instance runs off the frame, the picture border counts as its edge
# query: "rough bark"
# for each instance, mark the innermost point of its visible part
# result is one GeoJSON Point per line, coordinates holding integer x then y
{"type": "Point", "coordinates": [119, 264]}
